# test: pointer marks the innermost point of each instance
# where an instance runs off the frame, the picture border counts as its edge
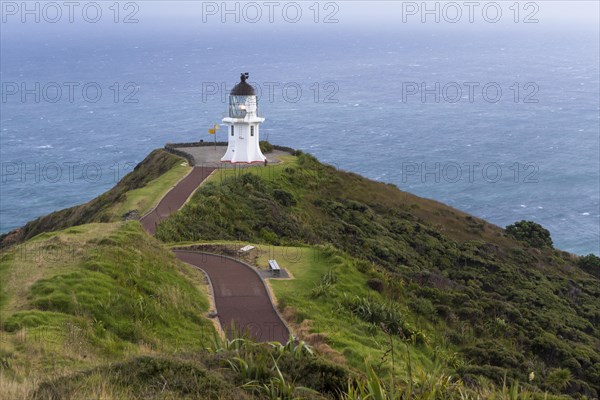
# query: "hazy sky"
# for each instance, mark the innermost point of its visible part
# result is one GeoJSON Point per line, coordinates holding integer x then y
{"type": "Point", "coordinates": [352, 12]}
{"type": "Point", "coordinates": [294, 15]}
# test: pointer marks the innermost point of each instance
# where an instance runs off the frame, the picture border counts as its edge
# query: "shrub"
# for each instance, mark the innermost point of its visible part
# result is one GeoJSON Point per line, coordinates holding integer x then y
{"type": "Point", "coordinates": [471, 373]}
{"type": "Point", "coordinates": [531, 233]}
{"type": "Point", "coordinates": [590, 263]}
{"type": "Point", "coordinates": [265, 147]}
{"type": "Point", "coordinates": [375, 284]}
{"type": "Point", "coordinates": [423, 306]}
{"type": "Point", "coordinates": [549, 348]}
{"type": "Point", "coordinates": [315, 373]}
{"type": "Point", "coordinates": [558, 379]}
{"type": "Point", "coordinates": [493, 352]}
{"type": "Point", "coordinates": [144, 377]}
{"type": "Point", "coordinates": [284, 197]}
{"type": "Point", "coordinates": [251, 180]}
{"type": "Point", "coordinates": [268, 236]}
{"type": "Point", "coordinates": [363, 265]}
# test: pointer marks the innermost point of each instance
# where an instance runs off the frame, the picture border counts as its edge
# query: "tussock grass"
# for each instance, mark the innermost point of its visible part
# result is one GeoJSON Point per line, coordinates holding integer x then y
{"type": "Point", "coordinates": [118, 295]}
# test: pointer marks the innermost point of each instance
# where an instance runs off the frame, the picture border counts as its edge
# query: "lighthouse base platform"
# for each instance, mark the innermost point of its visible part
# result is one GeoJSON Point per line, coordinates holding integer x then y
{"type": "Point", "coordinates": [209, 156]}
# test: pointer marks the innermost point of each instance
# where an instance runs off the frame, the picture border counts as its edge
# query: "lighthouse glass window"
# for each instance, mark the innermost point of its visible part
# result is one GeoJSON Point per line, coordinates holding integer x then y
{"type": "Point", "coordinates": [251, 130]}
{"type": "Point", "coordinates": [237, 106]}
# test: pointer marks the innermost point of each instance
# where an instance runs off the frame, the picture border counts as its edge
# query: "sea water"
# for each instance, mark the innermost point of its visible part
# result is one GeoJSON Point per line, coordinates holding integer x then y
{"type": "Point", "coordinates": [394, 106]}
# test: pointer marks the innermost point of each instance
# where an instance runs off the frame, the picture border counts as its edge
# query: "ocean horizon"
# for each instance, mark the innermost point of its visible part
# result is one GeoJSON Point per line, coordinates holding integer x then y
{"type": "Point", "coordinates": [502, 125]}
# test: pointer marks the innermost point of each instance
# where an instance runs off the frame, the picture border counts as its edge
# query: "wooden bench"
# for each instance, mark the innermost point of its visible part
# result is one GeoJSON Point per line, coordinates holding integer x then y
{"type": "Point", "coordinates": [274, 267]}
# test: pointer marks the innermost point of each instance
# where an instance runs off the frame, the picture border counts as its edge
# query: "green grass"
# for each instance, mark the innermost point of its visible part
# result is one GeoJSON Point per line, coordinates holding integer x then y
{"type": "Point", "coordinates": [108, 291]}
{"type": "Point", "coordinates": [356, 339]}
{"type": "Point", "coordinates": [145, 198]}
{"type": "Point", "coordinates": [103, 310]}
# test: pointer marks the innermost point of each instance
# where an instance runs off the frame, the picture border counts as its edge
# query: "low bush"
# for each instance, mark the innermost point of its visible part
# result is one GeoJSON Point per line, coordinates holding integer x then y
{"type": "Point", "coordinates": [590, 264]}
{"type": "Point", "coordinates": [384, 314]}
{"type": "Point", "coordinates": [265, 147]}
{"type": "Point", "coordinates": [531, 233]}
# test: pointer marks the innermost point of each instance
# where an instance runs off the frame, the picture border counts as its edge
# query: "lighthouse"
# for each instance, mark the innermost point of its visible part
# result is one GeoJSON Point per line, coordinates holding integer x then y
{"type": "Point", "coordinates": [243, 125]}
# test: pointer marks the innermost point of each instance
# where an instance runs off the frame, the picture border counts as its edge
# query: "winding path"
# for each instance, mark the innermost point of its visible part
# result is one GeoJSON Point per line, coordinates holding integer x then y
{"type": "Point", "coordinates": [175, 198]}
{"type": "Point", "coordinates": [241, 297]}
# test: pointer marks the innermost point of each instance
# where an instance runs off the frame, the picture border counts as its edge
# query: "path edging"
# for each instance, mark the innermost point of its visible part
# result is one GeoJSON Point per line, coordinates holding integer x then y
{"type": "Point", "coordinates": [167, 192]}
{"type": "Point", "coordinates": [269, 294]}
{"type": "Point", "coordinates": [216, 322]}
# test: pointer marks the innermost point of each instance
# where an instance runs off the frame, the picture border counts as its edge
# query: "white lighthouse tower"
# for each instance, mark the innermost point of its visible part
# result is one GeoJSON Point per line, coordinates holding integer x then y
{"type": "Point", "coordinates": [243, 125]}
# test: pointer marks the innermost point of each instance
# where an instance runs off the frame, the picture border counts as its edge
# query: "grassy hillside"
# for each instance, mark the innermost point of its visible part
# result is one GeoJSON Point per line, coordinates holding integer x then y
{"type": "Point", "coordinates": [94, 294]}
{"type": "Point", "coordinates": [399, 297]}
{"type": "Point", "coordinates": [508, 309]}
{"type": "Point", "coordinates": [139, 190]}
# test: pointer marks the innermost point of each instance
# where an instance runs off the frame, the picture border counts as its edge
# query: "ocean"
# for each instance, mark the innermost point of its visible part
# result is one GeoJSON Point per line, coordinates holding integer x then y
{"type": "Point", "coordinates": [502, 124]}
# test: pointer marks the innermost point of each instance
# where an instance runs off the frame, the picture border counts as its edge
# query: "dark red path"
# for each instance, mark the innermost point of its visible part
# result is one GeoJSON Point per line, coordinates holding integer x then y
{"type": "Point", "coordinates": [175, 198]}
{"type": "Point", "coordinates": [242, 301]}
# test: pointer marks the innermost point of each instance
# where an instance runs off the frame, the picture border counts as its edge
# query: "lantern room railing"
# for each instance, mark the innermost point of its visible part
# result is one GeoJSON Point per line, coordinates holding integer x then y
{"type": "Point", "coordinates": [228, 114]}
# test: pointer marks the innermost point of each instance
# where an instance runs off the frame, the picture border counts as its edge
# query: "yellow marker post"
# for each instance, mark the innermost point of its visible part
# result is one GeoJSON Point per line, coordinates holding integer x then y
{"type": "Point", "coordinates": [213, 131]}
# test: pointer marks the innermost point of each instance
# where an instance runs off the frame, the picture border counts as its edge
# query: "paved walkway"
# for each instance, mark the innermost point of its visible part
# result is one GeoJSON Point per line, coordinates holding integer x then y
{"type": "Point", "coordinates": [242, 300]}
{"type": "Point", "coordinates": [175, 198]}
{"type": "Point", "coordinates": [243, 303]}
